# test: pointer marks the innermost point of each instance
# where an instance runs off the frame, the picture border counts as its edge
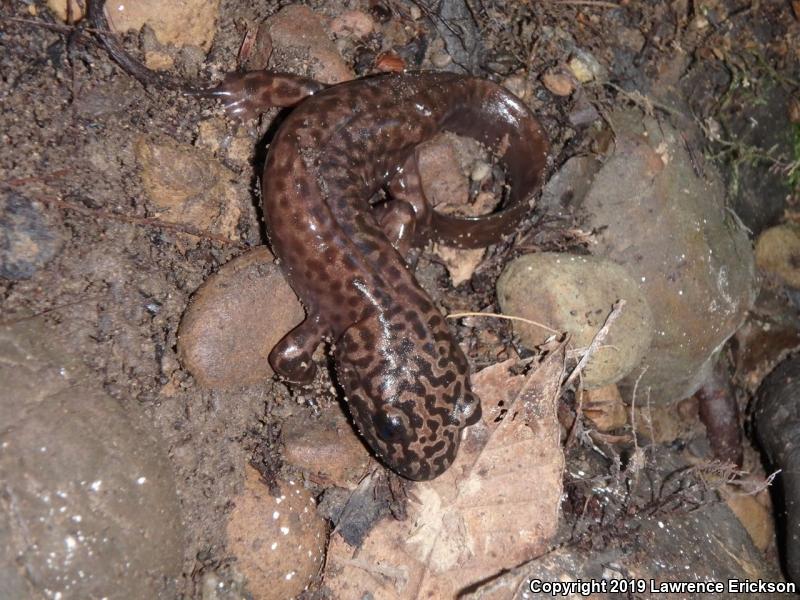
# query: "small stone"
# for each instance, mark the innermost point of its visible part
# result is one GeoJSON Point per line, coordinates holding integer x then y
{"type": "Point", "coordinates": [441, 59]}
{"type": "Point", "coordinates": [778, 253]}
{"type": "Point", "coordinates": [352, 23]}
{"type": "Point", "coordinates": [605, 408]}
{"type": "Point", "coordinates": [278, 541]}
{"type": "Point", "coordinates": [575, 294]}
{"type": "Point", "coordinates": [29, 236]}
{"type": "Point", "coordinates": [580, 70]}
{"type": "Point", "coordinates": [444, 183]}
{"type": "Point", "coordinates": [187, 185]}
{"type": "Point", "coordinates": [461, 264]}
{"type": "Point", "coordinates": [189, 22]}
{"type": "Point", "coordinates": [298, 30]}
{"type": "Point", "coordinates": [480, 171]}
{"type": "Point", "coordinates": [59, 7]}
{"type": "Point", "coordinates": [326, 447]}
{"type": "Point", "coordinates": [558, 84]}
{"type": "Point", "coordinates": [517, 85]}
{"type": "Point", "coordinates": [415, 12]}
{"type": "Point", "coordinates": [389, 62]}
{"type": "Point", "coordinates": [235, 318]}
{"type": "Point", "coordinates": [753, 515]}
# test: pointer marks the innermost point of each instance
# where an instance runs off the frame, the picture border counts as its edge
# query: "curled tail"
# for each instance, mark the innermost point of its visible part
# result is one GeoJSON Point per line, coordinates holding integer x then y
{"type": "Point", "coordinates": [501, 121]}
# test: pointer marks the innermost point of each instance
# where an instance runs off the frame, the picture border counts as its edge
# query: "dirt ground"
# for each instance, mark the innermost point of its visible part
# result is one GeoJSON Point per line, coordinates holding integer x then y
{"type": "Point", "coordinates": [120, 278]}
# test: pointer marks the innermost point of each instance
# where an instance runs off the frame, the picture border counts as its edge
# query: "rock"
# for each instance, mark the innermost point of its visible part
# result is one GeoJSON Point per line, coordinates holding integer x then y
{"type": "Point", "coordinates": [29, 236]}
{"type": "Point", "coordinates": [235, 318]}
{"type": "Point", "coordinates": [326, 447]}
{"type": "Point", "coordinates": [89, 502]}
{"type": "Point", "coordinates": [575, 294]}
{"type": "Point", "coordinates": [569, 185]}
{"type": "Point", "coordinates": [278, 541]}
{"type": "Point", "coordinates": [188, 186]}
{"type": "Point", "coordinates": [353, 23]}
{"type": "Point", "coordinates": [777, 424]}
{"type": "Point", "coordinates": [754, 515]}
{"type": "Point", "coordinates": [670, 229]}
{"type": "Point", "coordinates": [298, 33]}
{"type": "Point", "coordinates": [558, 84]}
{"type": "Point", "coordinates": [585, 67]}
{"type": "Point", "coordinates": [758, 193]}
{"type": "Point", "coordinates": [443, 180]}
{"type": "Point", "coordinates": [778, 253]}
{"type": "Point", "coordinates": [446, 187]}
{"type": "Point", "coordinates": [518, 85]}
{"type": "Point", "coordinates": [441, 59]}
{"type": "Point", "coordinates": [188, 22]}
{"type": "Point", "coordinates": [605, 408]}
{"type": "Point", "coordinates": [59, 7]}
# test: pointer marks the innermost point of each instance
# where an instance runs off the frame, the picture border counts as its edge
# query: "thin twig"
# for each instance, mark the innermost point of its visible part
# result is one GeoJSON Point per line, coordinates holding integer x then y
{"type": "Point", "coordinates": [616, 310]}
{"type": "Point", "coordinates": [460, 315]}
{"type": "Point", "coordinates": [144, 221]}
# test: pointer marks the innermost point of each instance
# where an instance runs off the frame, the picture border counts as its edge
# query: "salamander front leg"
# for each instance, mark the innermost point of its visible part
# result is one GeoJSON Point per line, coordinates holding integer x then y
{"type": "Point", "coordinates": [291, 357]}
{"type": "Point", "coordinates": [247, 95]}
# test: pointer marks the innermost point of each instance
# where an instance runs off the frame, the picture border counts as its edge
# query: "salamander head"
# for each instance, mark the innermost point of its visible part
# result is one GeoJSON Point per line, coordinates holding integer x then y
{"type": "Point", "coordinates": [409, 395]}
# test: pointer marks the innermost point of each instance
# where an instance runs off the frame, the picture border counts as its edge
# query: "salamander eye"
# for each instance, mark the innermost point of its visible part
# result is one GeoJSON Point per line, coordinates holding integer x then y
{"type": "Point", "coordinates": [390, 428]}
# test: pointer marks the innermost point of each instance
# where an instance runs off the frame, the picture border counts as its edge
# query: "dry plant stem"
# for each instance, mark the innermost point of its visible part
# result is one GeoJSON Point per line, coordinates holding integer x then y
{"type": "Point", "coordinates": [143, 221]}
{"type": "Point", "coordinates": [616, 310]}
{"type": "Point", "coordinates": [460, 315]}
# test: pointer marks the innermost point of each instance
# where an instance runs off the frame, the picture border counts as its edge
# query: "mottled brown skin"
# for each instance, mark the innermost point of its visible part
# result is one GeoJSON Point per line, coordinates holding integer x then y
{"type": "Point", "coordinates": [405, 378]}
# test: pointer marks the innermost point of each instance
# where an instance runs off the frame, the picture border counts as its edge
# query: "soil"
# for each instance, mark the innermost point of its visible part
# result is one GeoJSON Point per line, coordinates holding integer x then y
{"type": "Point", "coordinates": [120, 278]}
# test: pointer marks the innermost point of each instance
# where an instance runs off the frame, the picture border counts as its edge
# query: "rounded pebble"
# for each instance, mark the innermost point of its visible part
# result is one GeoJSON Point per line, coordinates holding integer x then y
{"type": "Point", "coordinates": [235, 318]}
{"type": "Point", "coordinates": [575, 294]}
{"type": "Point", "coordinates": [29, 236]}
{"type": "Point", "coordinates": [778, 253]}
{"type": "Point", "coordinates": [278, 541]}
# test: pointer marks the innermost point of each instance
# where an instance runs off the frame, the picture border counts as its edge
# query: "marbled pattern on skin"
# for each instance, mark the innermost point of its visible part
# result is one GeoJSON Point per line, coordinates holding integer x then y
{"type": "Point", "coordinates": [405, 378]}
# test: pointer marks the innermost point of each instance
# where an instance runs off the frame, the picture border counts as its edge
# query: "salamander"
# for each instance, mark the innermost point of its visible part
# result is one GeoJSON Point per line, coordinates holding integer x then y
{"type": "Point", "coordinates": [405, 378]}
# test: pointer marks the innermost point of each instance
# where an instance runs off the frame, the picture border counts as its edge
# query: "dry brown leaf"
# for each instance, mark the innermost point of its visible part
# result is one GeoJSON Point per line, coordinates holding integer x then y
{"type": "Point", "coordinates": [496, 507]}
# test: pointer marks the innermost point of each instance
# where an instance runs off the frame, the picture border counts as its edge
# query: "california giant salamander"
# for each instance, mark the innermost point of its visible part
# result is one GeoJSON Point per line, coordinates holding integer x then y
{"type": "Point", "coordinates": [405, 378]}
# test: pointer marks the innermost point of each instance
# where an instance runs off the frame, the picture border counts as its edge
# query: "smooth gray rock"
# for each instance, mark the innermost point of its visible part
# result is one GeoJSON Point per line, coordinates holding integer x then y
{"type": "Point", "coordinates": [87, 499]}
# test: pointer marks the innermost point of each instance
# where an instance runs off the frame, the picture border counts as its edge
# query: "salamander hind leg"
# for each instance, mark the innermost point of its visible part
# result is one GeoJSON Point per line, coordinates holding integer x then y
{"type": "Point", "coordinates": [292, 358]}
{"type": "Point", "coordinates": [246, 95]}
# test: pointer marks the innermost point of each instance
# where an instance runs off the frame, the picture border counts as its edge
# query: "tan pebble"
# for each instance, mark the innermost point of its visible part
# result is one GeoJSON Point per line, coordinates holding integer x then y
{"type": "Point", "coordinates": [326, 447]}
{"type": "Point", "coordinates": [441, 59]}
{"type": "Point", "coordinates": [480, 171]}
{"type": "Point", "coordinates": [235, 318]}
{"type": "Point", "coordinates": [353, 23]}
{"type": "Point", "coordinates": [254, 541]}
{"type": "Point", "coordinates": [605, 408]}
{"type": "Point", "coordinates": [558, 84]}
{"type": "Point", "coordinates": [298, 29]}
{"type": "Point", "coordinates": [778, 253]}
{"type": "Point", "coordinates": [59, 7]}
{"type": "Point", "coordinates": [184, 23]}
{"type": "Point", "coordinates": [415, 12]}
{"type": "Point", "coordinates": [517, 85]}
{"type": "Point", "coordinates": [580, 70]}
